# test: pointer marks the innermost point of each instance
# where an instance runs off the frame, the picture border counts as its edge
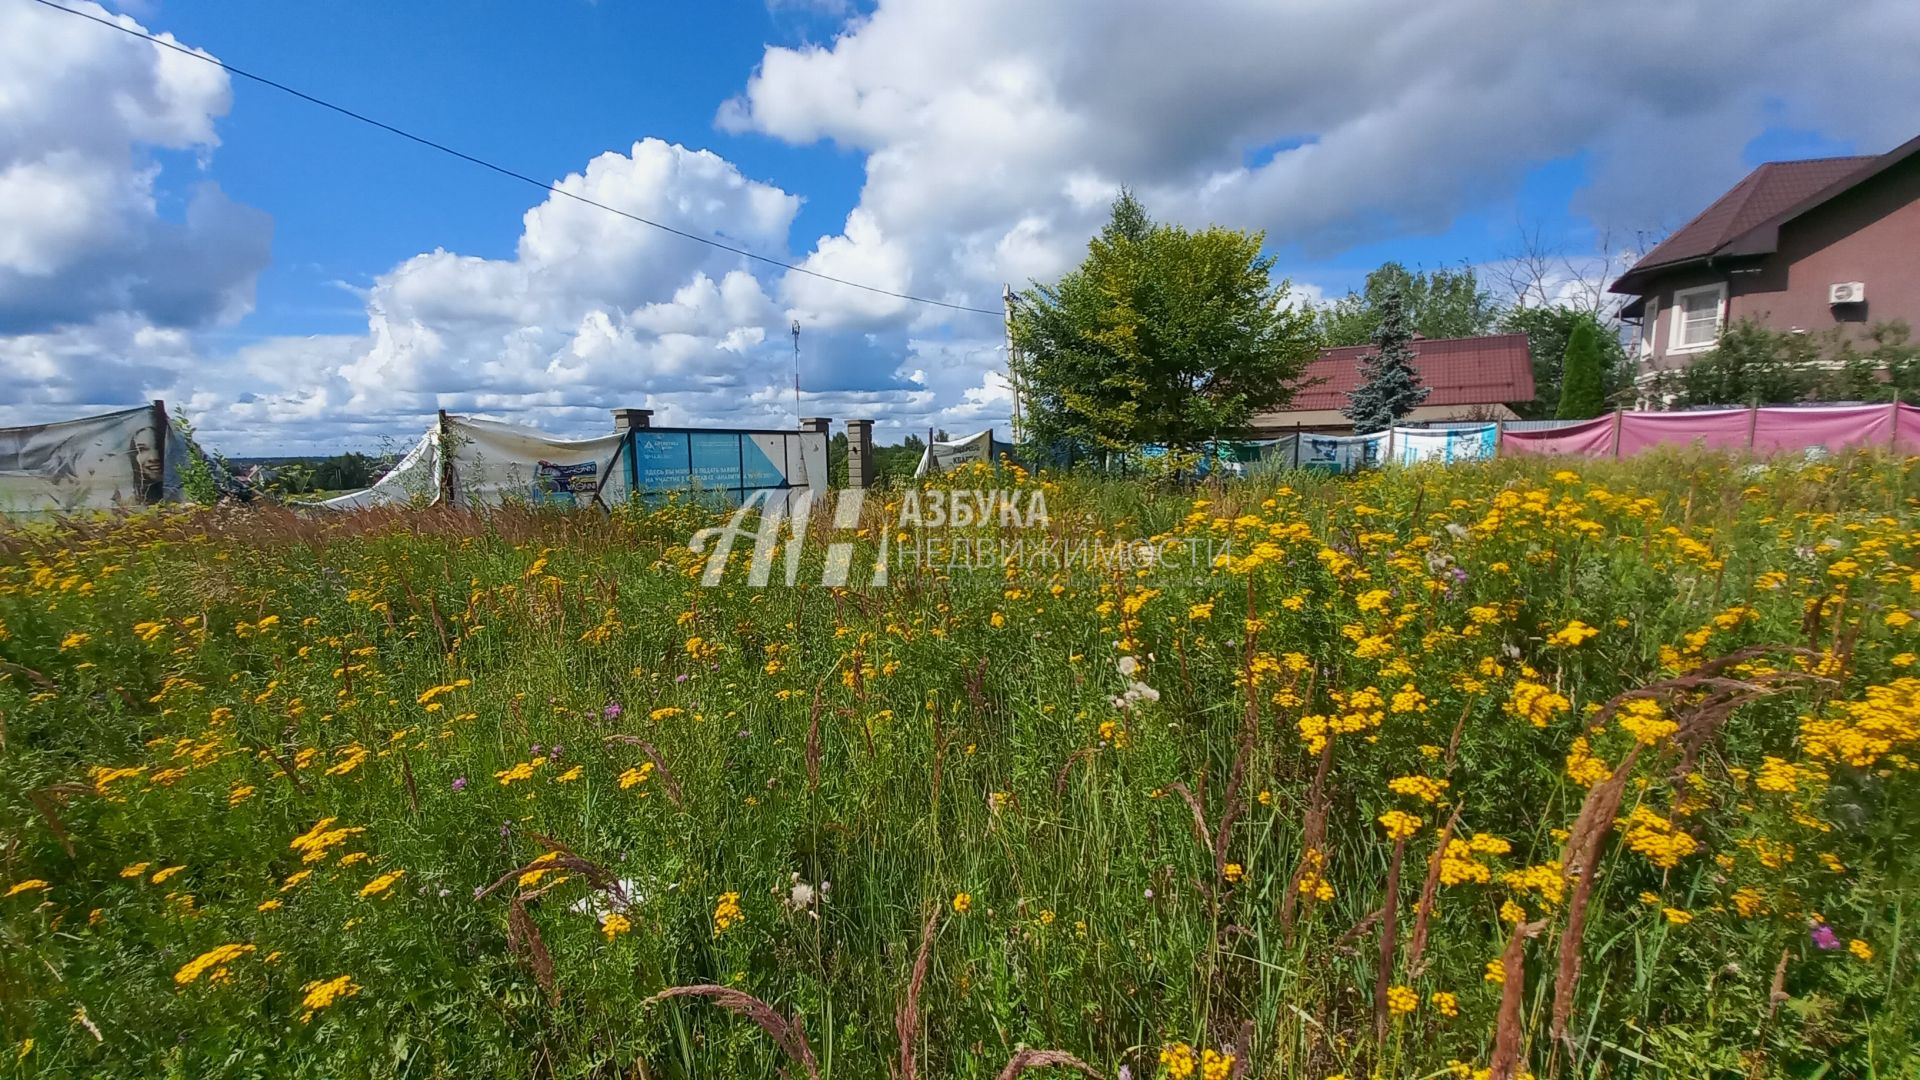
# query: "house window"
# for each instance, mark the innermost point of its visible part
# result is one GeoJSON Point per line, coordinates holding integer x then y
{"type": "Point", "coordinates": [1697, 316]}
{"type": "Point", "coordinates": [1649, 321]}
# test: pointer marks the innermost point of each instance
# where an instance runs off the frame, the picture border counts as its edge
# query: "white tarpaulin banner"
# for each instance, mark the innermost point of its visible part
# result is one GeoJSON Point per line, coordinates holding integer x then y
{"type": "Point", "coordinates": [413, 481]}
{"type": "Point", "coordinates": [1342, 453]}
{"type": "Point", "coordinates": [1414, 445]}
{"type": "Point", "coordinates": [496, 463]}
{"type": "Point", "coordinates": [492, 463]}
{"type": "Point", "coordinates": [95, 463]}
{"type": "Point", "coordinates": [941, 456]}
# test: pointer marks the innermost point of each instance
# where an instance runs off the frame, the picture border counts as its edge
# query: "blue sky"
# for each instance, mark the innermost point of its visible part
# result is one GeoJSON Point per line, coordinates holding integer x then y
{"type": "Point", "coordinates": [540, 91]}
{"type": "Point", "coordinates": [302, 282]}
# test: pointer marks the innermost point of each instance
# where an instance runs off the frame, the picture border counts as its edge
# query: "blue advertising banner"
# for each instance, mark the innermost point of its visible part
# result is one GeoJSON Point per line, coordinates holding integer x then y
{"type": "Point", "coordinates": [724, 464]}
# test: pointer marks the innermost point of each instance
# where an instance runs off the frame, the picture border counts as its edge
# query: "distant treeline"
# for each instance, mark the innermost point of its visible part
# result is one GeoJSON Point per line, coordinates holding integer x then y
{"type": "Point", "coordinates": [304, 475]}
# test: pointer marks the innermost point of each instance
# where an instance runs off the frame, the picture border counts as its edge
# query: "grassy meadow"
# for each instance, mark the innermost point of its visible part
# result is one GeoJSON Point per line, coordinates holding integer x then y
{"type": "Point", "coordinates": [1602, 769]}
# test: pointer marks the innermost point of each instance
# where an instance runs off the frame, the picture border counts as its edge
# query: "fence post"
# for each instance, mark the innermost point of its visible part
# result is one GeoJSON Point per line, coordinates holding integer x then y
{"type": "Point", "coordinates": [1753, 421]}
{"type": "Point", "coordinates": [1617, 414]}
{"type": "Point", "coordinates": [446, 460]}
{"type": "Point", "coordinates": [1893, 422]}
{"type": "Point", "coordinates": [860, 471]}
{"type": "Point", "coordinates": [156, 492]}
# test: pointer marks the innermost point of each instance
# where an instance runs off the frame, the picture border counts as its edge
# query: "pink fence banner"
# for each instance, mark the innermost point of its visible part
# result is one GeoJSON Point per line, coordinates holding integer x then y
{"type": "Point", "coordinates": [1591, 439]}
{"type": "Point", "coordinates": [1720, 429]}
{"type": "Point", "coordinates": [1906, 437]}
{"type": "Point", "coordinates": [1841, 428]}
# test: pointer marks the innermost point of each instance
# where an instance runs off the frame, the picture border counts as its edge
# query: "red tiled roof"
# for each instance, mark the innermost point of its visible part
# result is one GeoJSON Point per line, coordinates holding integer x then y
{"type": "Point", "coordinates": [1492, 370]}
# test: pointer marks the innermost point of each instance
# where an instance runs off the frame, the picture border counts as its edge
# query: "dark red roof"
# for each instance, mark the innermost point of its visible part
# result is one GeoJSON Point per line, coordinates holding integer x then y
{"type": "Point", "coordinates": [1746, 220]}
{"type": "Point", "coordinates": [1492, 370]}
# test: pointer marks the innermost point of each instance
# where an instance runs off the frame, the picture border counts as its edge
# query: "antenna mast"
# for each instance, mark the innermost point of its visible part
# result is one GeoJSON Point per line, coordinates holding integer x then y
{"type": "Point", "coordinates": [796, 367]}
{"type": "Point", "coordinates": [1013, 361]}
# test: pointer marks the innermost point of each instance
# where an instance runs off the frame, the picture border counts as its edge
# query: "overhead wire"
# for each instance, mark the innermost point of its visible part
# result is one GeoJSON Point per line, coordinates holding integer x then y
{"type": "Point", "coordinates": [507, 172]}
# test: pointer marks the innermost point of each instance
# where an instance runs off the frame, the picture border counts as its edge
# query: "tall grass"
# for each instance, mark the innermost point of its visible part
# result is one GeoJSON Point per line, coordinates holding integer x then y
{"type": "Point", "coordinates": [1381, 808]}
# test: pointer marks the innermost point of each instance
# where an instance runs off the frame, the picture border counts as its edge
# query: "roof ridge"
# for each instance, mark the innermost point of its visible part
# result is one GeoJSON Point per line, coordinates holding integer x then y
{"type": "Point", "coordinates": [1829, 157]}
{"type": "Point", "coordinates": [1417, 340]}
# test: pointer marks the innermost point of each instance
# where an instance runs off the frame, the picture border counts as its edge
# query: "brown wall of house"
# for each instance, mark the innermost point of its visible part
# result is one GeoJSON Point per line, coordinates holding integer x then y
{"type": "Point", "coordinates": [1870, 234]}
{"type": "Point", "coordinates": [1661, 291]}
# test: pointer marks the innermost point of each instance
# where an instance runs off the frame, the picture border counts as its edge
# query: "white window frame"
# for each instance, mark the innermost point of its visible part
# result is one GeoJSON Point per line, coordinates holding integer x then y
{"type": "Point", "coordinates": [1649, 325]}
{"type": "Point", "coordinates": [1676, 331]}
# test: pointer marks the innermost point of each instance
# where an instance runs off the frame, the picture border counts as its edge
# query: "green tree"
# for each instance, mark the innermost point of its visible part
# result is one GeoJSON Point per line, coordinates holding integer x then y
{"type": "Point", "coordinates": [1440, 304]}
{"type": "Point", "coordinates": [1583, 393]}
{"type": "Point", "coordinates": [1390, 388]}
{"type": "Point", "coordinates": [1162, 335]}
{"type": "Point", "coordinates": [1549, 328]}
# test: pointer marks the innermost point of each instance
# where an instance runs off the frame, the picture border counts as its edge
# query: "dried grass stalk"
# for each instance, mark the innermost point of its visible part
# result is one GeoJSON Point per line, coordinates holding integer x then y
{"type": "Point", "coordinates": [1359, 929]}
{"type": "Point", "coordinates": [1389, 939]}
{"type": "Point", "coordinates": [1236, 779]}
{"type": "Point", "coordinates": [1581, 861]}
{"type": "Point", "coordinates": [1702, 699]}
{"type": "Point", "coordinates": [1423, 910]}
{"type": "Point", "coordinates": [1312, 837]}
{"type": "Point", "coordinates": [1509, 1031]}
{"type": "Point", "coordinates": [1200, 831]}
{"type": "Point", "coordinates": [907, 1021]}
{"type": "Point", "coordinates": [1777, 991]}
{"type": "Point", "coordinates": [523, 938]}
{"type": "Point", "coordinates": [813, 740]}
{"type": "Point", "coordinates": [44, 803]}
{"type": "Point", "coordinates": [790, 1037]}
{"type": "Point", "coordinates": [1028, 1058]}
{"type": "Point", "coordinates": [667, 781]}
{"type": "Point", "coordinates": [1060, 778]}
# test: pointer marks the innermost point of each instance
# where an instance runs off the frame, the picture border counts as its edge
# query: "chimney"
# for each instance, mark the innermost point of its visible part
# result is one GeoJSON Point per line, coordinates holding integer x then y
{"type": "Point", "coordinates": [625, 420]}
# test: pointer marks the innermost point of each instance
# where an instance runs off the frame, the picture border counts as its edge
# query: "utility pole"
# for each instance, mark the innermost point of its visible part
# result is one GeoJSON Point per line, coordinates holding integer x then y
{"type": "Point", "coordinates": [1013, 362]}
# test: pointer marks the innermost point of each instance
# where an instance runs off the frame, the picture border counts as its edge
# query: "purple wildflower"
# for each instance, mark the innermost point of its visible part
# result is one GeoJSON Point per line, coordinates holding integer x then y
{"type": "Point", "coordinates": [680, 678]}
{"type": "Point", "coordinates": [612, 711]}
{"type": "Point", "coordinates": [1824, 937]}
{"type": "Point", "coordinates": [460, 784]}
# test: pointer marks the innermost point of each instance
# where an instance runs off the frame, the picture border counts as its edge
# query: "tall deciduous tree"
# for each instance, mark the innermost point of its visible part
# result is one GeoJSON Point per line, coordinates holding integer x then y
{"type": "Point", "coordinates": [1440, 304]}
{"type": "Point", "coordinates": [1162, 335]}
{"type": "Point", "coordinates": [1390, 387]}
{"type": "Point", "coordinates": [1583, 393]}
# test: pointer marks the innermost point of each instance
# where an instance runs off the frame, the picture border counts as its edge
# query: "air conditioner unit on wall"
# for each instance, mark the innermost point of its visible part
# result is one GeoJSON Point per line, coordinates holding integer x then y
{"type": "Point", "coordinates": [1847, 292]}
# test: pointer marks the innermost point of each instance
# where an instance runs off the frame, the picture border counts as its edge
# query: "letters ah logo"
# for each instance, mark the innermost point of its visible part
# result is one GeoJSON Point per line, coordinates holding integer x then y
{"type": "Point", "coordinates": [791, 508]}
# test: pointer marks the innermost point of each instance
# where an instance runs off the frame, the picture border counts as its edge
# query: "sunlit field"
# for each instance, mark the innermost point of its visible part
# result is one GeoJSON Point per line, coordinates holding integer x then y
{"type": "Point", "coordinates": [1516, 768]}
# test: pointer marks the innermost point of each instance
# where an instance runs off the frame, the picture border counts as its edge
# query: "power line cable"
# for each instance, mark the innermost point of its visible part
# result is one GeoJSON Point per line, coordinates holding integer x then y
{"type": "Point", "coordinates": [503, 170]}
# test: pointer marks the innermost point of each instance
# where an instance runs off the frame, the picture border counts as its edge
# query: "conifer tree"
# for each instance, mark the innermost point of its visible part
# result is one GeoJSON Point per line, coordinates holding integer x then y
{"type": "Point", "coordinates": [1390, 387]}
{"type": "Point", "coordinates": [1582, 395]}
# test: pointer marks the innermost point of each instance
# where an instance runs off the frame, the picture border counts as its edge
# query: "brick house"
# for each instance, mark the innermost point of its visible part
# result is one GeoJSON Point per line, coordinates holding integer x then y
{"type": "Point", "coordinates": [1474, 378]}
{"type": "Point", "coordinates": [1798, 246]}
